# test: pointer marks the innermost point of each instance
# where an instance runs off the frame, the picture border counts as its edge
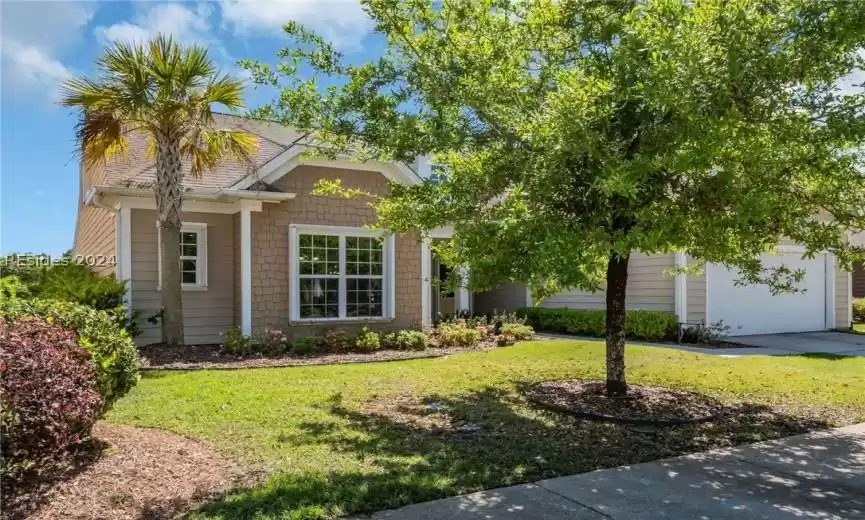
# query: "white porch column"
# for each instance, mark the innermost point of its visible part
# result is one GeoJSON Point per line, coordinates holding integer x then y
{"type": "Point", "coordinates": [831, 266]}
{"type": "Point", "coordinates": [680, 284]}
{"type": "Point", "coordinates": [462, 301]}
{"type": "Point", "coordinates": [123, 268]}
{"type": "Point", "coordinates": [425, 283]}
{"type": "Point", "coordinates": [245, 270]}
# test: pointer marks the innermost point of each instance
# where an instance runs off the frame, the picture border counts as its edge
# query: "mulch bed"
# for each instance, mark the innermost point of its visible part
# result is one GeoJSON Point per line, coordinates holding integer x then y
{"type": "Point", "coordinates": [643, 405]}
{"type": "Point", "coordinates": [140, 473]}
{"type": "Point", "coordinates": [192, 357]}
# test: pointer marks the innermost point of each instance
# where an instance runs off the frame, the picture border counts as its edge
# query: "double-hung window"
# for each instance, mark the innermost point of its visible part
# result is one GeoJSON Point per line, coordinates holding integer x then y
{"type": "Point", "coordinates": [341, 273]}
{"type": "Point", "coordinates": [193, 256]}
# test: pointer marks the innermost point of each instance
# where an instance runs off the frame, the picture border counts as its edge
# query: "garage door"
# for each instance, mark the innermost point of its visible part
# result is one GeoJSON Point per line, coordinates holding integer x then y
{"type": "Point", "coordinates": [752, 309]}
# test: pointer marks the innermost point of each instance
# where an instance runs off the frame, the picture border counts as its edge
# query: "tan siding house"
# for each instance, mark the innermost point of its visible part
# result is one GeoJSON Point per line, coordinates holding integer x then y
{"type": "Point", "coordinates": [259, 250]}
{"type": "Point", "coordinates": [650, 287]}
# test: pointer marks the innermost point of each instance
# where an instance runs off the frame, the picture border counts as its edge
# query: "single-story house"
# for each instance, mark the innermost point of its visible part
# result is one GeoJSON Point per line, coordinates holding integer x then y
{"type": "Point", "coordinates": [259, 250]}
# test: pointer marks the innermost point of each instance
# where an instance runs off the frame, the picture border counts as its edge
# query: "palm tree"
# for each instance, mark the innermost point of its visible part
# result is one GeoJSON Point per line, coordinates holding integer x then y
{"type": "Point", "coordinates": [166, 92]}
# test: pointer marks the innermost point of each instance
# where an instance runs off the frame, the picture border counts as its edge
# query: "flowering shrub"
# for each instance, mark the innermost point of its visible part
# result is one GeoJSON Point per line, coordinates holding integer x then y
{"type": "Point", "coordinates": [50, 394]}
{"type": "Point", "coordinates": [459, 335]}
{"type": "Point", "coordinates": [98, 332]}
{"type": "Point", "coordinates": [406, 340]}
{"type": "Point", "coordinates": [517, 331]}
{"type": "Point", "coordinates": [367, 340]}
{"type": "Point", "coordinates": [236, 343]}
{"type": "Point", "coordinates": [271, 342]}
{"type": "Point", "coordinates": [336, 341]}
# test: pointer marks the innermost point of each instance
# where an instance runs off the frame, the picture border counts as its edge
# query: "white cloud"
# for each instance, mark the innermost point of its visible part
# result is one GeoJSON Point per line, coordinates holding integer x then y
{"type": "Point", "coordinates": [35, 36]}
{"type": "Point", "coordinates": [34, 63]}
{"type": "Point", "coordinates": [188, 25]}
{"type": "Point", "coordinates": [342, 22]}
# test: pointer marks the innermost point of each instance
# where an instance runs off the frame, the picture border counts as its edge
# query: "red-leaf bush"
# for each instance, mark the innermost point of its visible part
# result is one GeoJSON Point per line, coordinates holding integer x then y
{"type": "Point", "coordinates": [50, 394]}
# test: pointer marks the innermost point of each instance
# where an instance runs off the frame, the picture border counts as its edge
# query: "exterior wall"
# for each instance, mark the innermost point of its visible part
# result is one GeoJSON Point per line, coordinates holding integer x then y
{"type": "Point", "coordinates": [237, 288]}
{"type": "Point", "coordinates": [696, 287]}
{"type": "Point", "coordinates": [96, 239]}
{"type": "Point", "coordinates": [206, 313]}
{"type": "Point", "coordinates": [271, 288]}
{"type": "Point", "coordinates": [649, 287]}
{"type": "Point", "coordinates": [858, 280]}
{"type": "Point", "coordinates": [95, 229]}
{"type": "Point", "coordinates": [842, 302]}
{"type": "Point", "coordinates": [508, 297]}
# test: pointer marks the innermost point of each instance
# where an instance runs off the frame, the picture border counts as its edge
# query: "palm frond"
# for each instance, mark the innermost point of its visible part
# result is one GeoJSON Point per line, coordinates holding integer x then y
{"type": "Point", "coordinates": [101, 136]}
{"type": "Point", "coordinates": [226, 90]}
{"type": "Point", "coordinates": [125, 67]}
{"type": "Point", "coordinates": [206, 148]}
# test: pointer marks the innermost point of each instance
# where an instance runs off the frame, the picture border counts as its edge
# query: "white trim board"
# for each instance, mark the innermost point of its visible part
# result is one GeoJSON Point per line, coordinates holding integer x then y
{"type": "Point", "coordinates": [200, 228]}
{"type": "Point", "coordinates": [394, 172]}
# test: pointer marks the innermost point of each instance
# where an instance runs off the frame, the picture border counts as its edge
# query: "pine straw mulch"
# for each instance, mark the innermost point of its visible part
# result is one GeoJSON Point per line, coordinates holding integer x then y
{"type": "Point", "coordinates": [195, 357]}
{"type": "Point", "coordinates": [643, 405]}
{"type": "Point", "coordinates": [139, 473]}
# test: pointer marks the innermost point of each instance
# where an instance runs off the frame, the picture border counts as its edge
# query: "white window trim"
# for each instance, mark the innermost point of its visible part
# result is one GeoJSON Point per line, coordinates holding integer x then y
{"type": "Point", "coordinates": [201, 261]}
{"type": "Point", "coordinates": [388, 272]}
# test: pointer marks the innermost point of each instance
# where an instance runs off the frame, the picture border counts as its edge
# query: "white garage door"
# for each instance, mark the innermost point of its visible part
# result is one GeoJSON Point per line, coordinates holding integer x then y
{"type": "Point", "coordinates": [752, 309]}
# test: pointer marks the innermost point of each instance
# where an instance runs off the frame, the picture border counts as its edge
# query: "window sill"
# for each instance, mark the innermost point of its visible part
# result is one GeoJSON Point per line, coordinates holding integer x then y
{"type": "Point", "coordinates": [313, 321]}
{"type": "Point", "coordinates": [192, 288]}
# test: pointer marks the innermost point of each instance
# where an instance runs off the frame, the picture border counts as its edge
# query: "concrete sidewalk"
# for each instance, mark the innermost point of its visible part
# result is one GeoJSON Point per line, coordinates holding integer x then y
{"type": "Point", "coordinates": [818, 475]}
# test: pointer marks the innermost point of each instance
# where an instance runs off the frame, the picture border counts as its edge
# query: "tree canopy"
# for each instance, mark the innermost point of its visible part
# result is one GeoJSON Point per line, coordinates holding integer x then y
{"type": "Point", "coordinates": [567, 131]}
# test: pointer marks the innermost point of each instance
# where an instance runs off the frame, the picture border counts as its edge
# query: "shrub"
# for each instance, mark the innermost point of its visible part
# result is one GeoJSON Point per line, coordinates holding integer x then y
{"type": "Point", "coordinates": [406, 340]}
{"type": "Point", "coordinates": [97, 332]}
{"type": "Point", "coordinates": [458, 335]}
{"type": "Point", "coordinates": [651, 325]}
{"type": "Point", "coordinates": [236, 343]}
{"type": "Point", "coordinates": [271, 342]}
{"type": "Point", "coordinates": [50, 393]}
{"type": "Point", "coordinates": [336, 341]}
{"type": "Point", "coordinates": [307, 345]}
{"type": "Point", "coordinates": [517, 331]}
{"type": "Point", "coordinates": [367, 340]}
{"type": "Point", "coordinates": [643, 325]}
{"type": "Point", "coordinates": [859, 310]}
{"type": "Point", "coordinates": [75, 282]}
{"type": "Point", "coordinates": [702, 333]}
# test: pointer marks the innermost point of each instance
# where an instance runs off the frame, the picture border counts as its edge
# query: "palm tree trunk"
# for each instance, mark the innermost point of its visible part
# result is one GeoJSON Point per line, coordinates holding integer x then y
{"type": "Point", "coordinates": [617, 283]}
{"type": "Point", "coordinates": [169, 200]}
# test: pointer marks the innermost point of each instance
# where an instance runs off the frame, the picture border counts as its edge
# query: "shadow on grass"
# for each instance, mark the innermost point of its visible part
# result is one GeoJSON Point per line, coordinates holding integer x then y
{"type": "Point", "coordinates": [821, 355]}
{"type": "Point", "coordinates": [414, 449]}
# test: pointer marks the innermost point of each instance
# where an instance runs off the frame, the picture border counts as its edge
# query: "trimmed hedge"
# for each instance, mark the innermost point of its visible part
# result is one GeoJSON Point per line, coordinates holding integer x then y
{"type": "Point", "coordinates": [50, 398]}
{"type": "Point", "coordinates": [99, 333]}
{"type": "Point", "coordinates": [859, 310]}
{"type": "Point", "coordinates": [643, 325]}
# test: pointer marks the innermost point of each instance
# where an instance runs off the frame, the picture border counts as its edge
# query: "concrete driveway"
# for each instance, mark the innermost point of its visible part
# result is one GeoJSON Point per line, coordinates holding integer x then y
{"type": "Point", "coordinates": [819, 475]}
{"type": "Point", "coordinates": [837, 343]}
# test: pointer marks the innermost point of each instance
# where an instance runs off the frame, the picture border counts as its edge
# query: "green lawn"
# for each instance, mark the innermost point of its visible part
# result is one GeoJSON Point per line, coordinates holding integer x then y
{"type": "Point", "coordinates": [859, 327]}
{"type": "Point", "coordinates": [353, 438]}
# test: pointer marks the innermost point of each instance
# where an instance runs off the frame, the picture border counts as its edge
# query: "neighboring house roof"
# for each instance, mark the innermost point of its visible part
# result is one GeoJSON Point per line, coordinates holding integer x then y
{"type": "Point", "coordinates": [277, 144]}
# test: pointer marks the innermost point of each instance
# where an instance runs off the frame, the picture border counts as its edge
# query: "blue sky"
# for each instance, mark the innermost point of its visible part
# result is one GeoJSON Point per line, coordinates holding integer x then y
{"type": "Point", "coordinates": [44, 42]}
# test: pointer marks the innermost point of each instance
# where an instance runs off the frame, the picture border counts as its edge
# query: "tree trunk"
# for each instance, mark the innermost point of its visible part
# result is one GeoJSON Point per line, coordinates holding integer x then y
{"type": "Point", "coordinates": [617, 283]}
{"type": "Point", "coordinates": [169, 199]}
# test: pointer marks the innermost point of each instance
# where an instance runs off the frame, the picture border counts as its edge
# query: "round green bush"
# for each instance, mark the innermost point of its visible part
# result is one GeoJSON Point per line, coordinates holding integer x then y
{"type": "Point", "coordinates": [406, 340]}
{"type": "Point", "coordinates": [367, 341]}
{"type": "Point", "coordinates": [113, 351]}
